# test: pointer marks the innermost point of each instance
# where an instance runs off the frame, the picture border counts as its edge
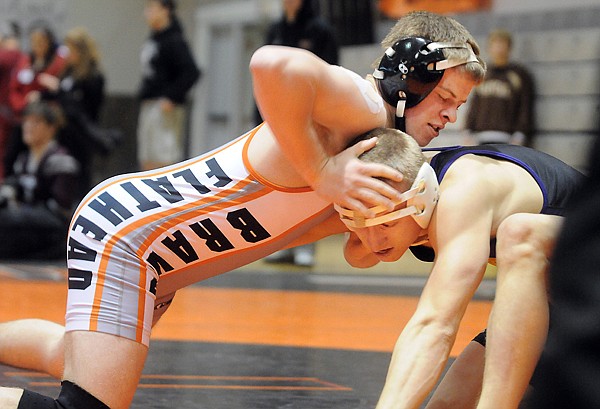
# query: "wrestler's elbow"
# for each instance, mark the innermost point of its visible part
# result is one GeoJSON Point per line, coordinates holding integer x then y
{"type": "Point", "coordinates": [444, 331]}
{"type": "Point", "coordinates": [281, 64]}
{"type": "Point", "coordinates": [267, 60]}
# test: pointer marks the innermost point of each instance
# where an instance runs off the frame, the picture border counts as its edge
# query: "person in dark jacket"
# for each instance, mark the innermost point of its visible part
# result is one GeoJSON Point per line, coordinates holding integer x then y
{"type": "Point", "coordinates": [10, 55]}
{"type": "Point", "coordinates": [168, 73]}
{"type": "Point", "coordinates": [301, 26]}
{"type": "Point", "coordinates": [79, 91]}
{"type": "Point", "coordinates": [501, 109]}
{"type": "Point", "coordinates": [37, 199]}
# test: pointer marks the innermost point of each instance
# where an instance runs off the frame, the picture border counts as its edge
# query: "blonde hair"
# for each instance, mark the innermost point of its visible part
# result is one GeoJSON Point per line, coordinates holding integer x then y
{"type": "Point", "coordinates": [80, 39]}
{"type": "Point", "coordinates": [395, 149]}
{"type": "Point", "coordinates": [438, 28]}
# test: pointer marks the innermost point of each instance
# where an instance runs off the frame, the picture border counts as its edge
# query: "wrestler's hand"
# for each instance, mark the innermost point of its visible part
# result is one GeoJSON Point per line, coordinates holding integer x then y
{"type": "Point", "coordinates": [346, 180]}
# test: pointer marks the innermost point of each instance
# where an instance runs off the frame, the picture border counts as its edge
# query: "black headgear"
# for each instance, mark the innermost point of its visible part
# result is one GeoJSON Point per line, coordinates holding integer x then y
{"type": "Point", "coordinates": [411, 69]}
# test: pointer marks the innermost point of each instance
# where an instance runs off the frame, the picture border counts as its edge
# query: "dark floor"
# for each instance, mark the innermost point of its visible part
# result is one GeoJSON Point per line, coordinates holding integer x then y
{"type": "Point", "coordinates": [190, 375]}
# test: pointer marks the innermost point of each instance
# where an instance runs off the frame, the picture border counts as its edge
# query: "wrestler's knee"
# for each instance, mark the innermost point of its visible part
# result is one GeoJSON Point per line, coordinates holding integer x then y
{"type": "Point", "coordinates": [53, 359]}
{"type": "Point", "coordinates": [520, 238]}
{"type": "Point", "coordinates": [71, 397]}
{"type": "Point", "coordinates": [56, 357]}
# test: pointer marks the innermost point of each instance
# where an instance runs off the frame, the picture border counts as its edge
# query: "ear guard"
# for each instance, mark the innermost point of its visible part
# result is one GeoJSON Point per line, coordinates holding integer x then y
{"type": "Point", "coordinates": [411, 69]}
{"type": "Point", "coordinates": [420, 199]}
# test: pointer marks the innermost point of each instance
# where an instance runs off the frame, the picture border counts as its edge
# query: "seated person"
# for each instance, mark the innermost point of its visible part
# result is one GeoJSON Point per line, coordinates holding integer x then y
{"type": "Point", "coordinates": [37, 200]}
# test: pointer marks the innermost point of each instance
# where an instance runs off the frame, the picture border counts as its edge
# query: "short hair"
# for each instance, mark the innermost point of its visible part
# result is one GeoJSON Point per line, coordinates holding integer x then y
{"type": "Point", "coordinates": [395, 149]}
{"type": "Point", "coordinates": [438, 28]}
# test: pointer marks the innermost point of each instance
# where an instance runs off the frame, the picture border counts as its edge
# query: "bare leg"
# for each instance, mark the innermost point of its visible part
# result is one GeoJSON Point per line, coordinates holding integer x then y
{"type": "Point", "coordinates": [33, 344]}
{"type": "Point", "coordinates": [461, 386]}
{"type": "Point", "coordinates": [106, 366]}
{"type": "Point", "coordinates": [518, 323]}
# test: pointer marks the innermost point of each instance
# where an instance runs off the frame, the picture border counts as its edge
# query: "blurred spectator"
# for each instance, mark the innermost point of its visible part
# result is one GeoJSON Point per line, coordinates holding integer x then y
{"type": "Point", "coordinates": [168, 73]}
{"type": "Point", "coordinates": [301, 26]}
{"type": "Point", "coordinates": [37, 200]}
{"type": "Point", "coordinates": [80, 93]}
{"type": "Point", "coordinates": [45, 56]}
{"type": "Point", "coordinates": [10, 54]}
{"type": "Point", "coordinates": [501, 108]}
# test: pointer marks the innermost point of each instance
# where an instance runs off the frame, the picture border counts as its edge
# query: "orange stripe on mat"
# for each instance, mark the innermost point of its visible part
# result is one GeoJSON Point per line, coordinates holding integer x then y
{"type": "Point", "coordinates": [299, 318]}
{"type": "Point", "coordinates": [269, 317]}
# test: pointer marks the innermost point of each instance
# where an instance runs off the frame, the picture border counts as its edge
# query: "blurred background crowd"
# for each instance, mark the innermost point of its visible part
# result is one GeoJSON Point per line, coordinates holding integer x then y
{"type": "Point", "coordinates": [114, 87]}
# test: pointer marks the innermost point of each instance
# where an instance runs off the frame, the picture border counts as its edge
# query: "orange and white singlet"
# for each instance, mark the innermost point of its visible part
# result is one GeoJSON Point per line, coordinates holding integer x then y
{"type": "Point", "coordinates": [136, 239]}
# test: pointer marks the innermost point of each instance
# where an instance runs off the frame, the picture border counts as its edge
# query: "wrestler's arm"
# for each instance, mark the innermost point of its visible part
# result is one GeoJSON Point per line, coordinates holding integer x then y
{"type": "Point", "coordinates": [460, 233]}
{"type": "Point", "coordinates": [314, 110]}
{"type": "Point", "coordinates": [330, 226]}
{"type": "Point", "coordinates": [355, 253]}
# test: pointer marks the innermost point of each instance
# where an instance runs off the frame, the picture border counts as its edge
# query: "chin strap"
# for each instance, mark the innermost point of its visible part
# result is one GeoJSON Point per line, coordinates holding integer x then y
{"type": "Point", "coordinates": [400, 121]}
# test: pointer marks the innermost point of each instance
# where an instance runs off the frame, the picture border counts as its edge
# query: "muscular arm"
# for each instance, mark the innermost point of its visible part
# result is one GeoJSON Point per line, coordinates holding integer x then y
{"type": "Point", "coordinates": [314, 110]}
{"type": "Point", "coordinates": [330, 226]}
{"type": "Point", "coordinates": [460, 232]}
